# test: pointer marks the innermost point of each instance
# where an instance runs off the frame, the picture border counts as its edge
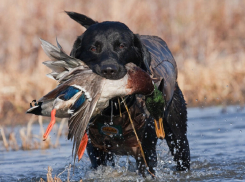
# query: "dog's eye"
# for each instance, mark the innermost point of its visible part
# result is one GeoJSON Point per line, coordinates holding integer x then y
{"type": "Point", "coordinates": [93, 48]}
{"type": "Point", "coordinates": [121, 46]}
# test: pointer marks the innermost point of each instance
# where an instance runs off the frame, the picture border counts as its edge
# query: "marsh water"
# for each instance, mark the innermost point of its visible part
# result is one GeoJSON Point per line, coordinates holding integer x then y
{"type": "Point", "coordinates": [217, 145]}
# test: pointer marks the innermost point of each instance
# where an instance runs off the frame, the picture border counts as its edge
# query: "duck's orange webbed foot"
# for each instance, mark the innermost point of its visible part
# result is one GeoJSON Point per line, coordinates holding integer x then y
{"type": "Point", "coordinates": [82, 146]}
{"type": "Point", "coordinates": [159, 130]}
{"type": "Point", "coordinates": [50, 126]}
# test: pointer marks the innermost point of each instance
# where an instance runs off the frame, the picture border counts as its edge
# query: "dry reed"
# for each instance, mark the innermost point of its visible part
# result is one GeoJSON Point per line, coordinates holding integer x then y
{"type": "Point", "coordinates": [12, 141]}
{"type": "Point", "coordinates": [5, 143]}
{"type": "Point", "coordinates": [31, 141]}
{"type": "Point", "coordinates": [206, 38]}
{"type": "Point", "coordinates": [59, 132]}
{"type": "Point", "coordinates": [57, 179]}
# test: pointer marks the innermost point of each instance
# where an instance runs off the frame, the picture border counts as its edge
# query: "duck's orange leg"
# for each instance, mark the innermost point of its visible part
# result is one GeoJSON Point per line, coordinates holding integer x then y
{"type": "Point", "coordinates": [159, 130]}
{"type": "Point", "coordinates": [82, 146]}
{"type": "Point", "coordinates": [50, 126]}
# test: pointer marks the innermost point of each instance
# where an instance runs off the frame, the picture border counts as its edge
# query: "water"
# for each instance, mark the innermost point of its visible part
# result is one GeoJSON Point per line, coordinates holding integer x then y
{"type": "Point", "coordinates": [217, 143]}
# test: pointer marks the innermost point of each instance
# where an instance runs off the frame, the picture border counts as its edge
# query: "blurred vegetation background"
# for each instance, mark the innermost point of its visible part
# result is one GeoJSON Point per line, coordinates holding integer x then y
{"type": "Point", "coordinates": [206, 38]}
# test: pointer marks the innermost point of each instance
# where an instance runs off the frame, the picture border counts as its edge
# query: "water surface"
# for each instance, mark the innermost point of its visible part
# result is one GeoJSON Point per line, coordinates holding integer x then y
{"type": "Point", "coordinates": [217, 143]}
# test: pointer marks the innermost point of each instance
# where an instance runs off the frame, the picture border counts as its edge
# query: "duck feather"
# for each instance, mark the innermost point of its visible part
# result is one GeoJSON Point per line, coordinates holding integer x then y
{"type": "Point", "coordinates": [80, 93]}
{"type": "Point", "coordinates": [71, 72]}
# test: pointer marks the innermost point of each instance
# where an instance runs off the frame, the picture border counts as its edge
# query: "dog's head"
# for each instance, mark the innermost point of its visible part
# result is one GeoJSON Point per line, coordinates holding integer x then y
{"type": "Point", "coordinates": [106, 47]}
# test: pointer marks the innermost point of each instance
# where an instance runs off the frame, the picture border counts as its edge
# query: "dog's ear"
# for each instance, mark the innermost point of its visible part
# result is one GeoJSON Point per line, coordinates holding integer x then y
{"type": "Point", "coordinates": [144, 52]}
{"type": "Point", "coordinates": [81, 19]}
{"type": "Point", "coordinates": [76, 49]}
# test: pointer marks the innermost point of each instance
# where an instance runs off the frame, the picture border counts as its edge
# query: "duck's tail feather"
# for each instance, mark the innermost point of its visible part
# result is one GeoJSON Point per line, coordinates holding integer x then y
{"type": "Point", "coordinates": [40, 108]}
{"type": "Point", "coordinates": [60, 63]}
{"type": "Point", "coordinates": [35, 109]}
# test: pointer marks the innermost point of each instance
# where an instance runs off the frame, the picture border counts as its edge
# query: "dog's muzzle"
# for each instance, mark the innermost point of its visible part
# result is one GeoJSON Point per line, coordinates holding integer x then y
{"type": "Point", "coordinates": [109, 70]}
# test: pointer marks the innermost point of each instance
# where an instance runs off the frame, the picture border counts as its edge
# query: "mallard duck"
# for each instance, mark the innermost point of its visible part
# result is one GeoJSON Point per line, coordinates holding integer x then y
{"type": "Point", "coordinates": [81, 94]}
{"type": "Point", "coordinates": [155, 104]}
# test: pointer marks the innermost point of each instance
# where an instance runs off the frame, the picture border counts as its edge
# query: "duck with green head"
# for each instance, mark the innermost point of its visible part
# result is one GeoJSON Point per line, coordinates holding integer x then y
{"type": "Point", "coordinates": [155, 104]}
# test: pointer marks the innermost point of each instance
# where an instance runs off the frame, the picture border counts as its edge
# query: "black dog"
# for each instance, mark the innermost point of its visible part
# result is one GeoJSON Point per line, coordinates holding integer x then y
{"type": "Point", "coordinates": [106, 47]}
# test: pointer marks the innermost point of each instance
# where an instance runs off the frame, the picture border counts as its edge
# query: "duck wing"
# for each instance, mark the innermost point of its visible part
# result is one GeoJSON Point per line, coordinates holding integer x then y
{"type": "Point", "coordinates": [82, 112]}
{"type": "Point", "coordinates": [163, 64]}
{"type": "Point", "coordinates": [72, 72]}
{"type": "Point", "coordinates": [61, 64]}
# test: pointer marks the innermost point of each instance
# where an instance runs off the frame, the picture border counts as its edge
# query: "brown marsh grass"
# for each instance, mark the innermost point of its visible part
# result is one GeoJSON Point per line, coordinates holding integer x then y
{"type": "Point", "coordinates": [206, 38]}
{"type": "Point", "coordinates": [56, 178]}
{"type": "Point", "coordinates": [30, 140]}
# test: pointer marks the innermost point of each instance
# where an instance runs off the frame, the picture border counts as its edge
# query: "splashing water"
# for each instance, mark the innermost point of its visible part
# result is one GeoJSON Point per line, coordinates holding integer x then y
{"type": "Point", "coordinates": [215, 155]}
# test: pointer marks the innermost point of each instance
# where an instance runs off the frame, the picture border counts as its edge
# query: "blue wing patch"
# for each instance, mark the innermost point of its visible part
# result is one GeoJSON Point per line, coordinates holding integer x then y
{"type": "Point", "coordinates": [69, 93]}
{"type": "Point", "coordinates": [79, 102]}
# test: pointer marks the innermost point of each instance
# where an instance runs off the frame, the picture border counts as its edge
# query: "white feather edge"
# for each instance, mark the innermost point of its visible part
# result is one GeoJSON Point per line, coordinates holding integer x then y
{"type": "Point", "coordinates": [50, 76]}
{"type": "Point", "coordinates": [85, 92]}
{"type": "Point", "coordinates": [60, 103]}
{"type": "Point", "coordinates": [74, 69]}
{"type": "Point", "coordinates": [70, 111]}
{"type": "Point", "coordinates": [32, 108]}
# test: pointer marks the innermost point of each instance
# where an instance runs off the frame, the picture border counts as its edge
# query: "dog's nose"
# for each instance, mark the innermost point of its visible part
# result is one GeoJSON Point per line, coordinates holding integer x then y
{"type": "Point", "coordinates": [108, 71]}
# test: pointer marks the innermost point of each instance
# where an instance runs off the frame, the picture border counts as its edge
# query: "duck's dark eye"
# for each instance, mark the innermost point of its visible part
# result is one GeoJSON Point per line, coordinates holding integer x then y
{"type": "Point", "coordinates": [93, 49]}
{"type": "Point", "coordinates": [121, 46]}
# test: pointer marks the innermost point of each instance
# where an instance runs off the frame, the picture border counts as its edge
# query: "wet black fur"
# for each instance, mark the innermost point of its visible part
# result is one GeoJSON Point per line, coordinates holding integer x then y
{"type": "Point", "coordinates": [108, 45]}
{"type": "Point", "coordinates": [107, 37]}
{"type": "Point", "coordinates": [175, 127]}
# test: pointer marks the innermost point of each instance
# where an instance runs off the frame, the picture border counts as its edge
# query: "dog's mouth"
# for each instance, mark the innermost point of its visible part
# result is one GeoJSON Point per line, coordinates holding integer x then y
{"type": "Point", "coordinates": [110, 71]}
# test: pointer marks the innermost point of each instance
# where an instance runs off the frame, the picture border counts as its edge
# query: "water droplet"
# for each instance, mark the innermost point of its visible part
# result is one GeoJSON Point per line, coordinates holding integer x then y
{"type": "Point", "coordinates": [240, 131]}
{"type": "Point", "coordinates": [111, 111]}
{"type": "Point", "coordinates": [219, 129]}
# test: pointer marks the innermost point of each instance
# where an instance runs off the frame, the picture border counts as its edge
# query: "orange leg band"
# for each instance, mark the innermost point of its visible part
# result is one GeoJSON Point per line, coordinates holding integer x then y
{"type": "Point", "coordinates": [82, 146]}
{"type": "Point", "coordinates": [50, 126]}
